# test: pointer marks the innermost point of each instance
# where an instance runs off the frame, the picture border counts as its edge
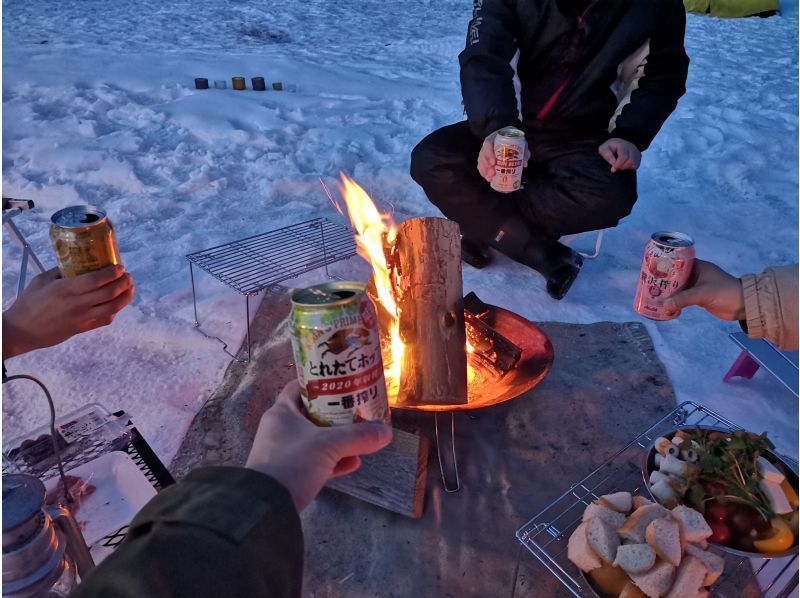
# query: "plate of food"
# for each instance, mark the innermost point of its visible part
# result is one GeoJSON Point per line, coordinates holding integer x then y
{"type": "Point", "coordinates": [631, 547]}
{"type": "Point", "coordinates": [746, 493]}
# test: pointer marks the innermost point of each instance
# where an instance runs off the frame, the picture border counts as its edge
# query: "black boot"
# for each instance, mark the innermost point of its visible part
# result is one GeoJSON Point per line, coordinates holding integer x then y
{"type": "Point", "coordinates": [558, 263]}
{"type": "Point", "coordinates": [475, 253]}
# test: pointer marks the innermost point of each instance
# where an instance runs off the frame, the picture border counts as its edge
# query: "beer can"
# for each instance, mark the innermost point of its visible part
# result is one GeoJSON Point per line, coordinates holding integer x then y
{"type": "Point", "coordinates": [666, 267]}
{"type": "Point", "coordinates": [84, 240]}
{"type": "Point", "coordinates": [337, 352]}
{"type": "Point", "coordinates": [509, 153]}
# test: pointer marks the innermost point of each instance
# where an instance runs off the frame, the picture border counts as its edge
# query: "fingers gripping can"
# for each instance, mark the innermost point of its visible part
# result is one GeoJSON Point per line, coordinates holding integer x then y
{"type": "Point", "coordinates": [509, 154]}
{"type": "Point", "coordinates": [666, 267]}
{"type": "Point", "coordinates": [337, 352]}
{"type": "Point", "coordinates": [84, 240]}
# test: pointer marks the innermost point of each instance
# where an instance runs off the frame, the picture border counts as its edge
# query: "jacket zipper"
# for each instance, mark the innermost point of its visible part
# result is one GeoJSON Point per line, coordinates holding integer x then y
{"type": "Point", "coordinates": [548, 105]}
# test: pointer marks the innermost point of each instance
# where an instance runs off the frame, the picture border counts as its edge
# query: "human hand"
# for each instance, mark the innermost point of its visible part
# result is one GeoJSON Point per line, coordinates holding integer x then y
{"type": "Point", "coordinates": [487, 160]}
{"type": "Point", "coordinates": [303, 456]}
{"type": "Point", "coordinates": [621, 154]}
{"type": "Point", "coordinates": [711, 288]}
{"type": "Point", "coordinates": [52, 309]}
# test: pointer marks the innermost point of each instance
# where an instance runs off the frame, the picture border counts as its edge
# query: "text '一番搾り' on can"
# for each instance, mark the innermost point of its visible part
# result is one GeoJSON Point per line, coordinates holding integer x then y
{"type": "Point", "coordinates": [666, 267]}
{"type": "Point", "coordinates": [509, 155]}
{"type": "Point", "coordinates": [337, 352]}
{"type": "Point", "coordinates": [84, 240]}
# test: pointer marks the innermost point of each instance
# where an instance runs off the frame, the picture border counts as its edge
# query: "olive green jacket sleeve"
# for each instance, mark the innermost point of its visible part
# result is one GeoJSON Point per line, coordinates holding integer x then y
{"type": "Point", "coordinates": [222, 531]}
{"type": "Point", "coordinates": [770, 303]}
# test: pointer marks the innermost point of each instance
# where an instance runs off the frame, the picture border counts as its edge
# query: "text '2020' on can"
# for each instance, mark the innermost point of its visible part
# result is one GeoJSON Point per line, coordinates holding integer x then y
{"type": "Point", "coordinates": [509, 153]}
{"type": "Point", "coordinates": [666, 267]}
{"type": "Point", "coordinates": [337, 352]}
{"type": "Point", "coordinates": [84, 240]}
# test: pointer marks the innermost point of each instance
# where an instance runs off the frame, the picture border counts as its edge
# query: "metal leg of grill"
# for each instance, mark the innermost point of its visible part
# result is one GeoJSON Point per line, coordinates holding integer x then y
{"type": "Point", "coordinates": [451, 438]}
{"type": "Point", "coordinates": [247, 315]}
{"type": "Point", "coordinates": [216, 338]}
{"type": "Point", "coordinates": [194, 295]}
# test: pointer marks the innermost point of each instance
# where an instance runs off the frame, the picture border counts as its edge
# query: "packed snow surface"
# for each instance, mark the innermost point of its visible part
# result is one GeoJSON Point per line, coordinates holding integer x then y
{"type": "Point", "coordinates": [99, 107]}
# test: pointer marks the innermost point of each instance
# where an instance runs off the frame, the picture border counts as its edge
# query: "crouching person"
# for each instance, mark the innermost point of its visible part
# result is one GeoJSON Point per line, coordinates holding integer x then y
{"type": "Point", "coordinates": [598, 80]}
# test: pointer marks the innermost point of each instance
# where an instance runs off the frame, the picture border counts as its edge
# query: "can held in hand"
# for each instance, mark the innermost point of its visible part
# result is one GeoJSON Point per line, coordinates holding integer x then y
{"type": "Point", "coordinates": [509, 154]}
{"type": "Point", "coordinates": [84, 240]}
{"type": "Point", "coordinates": [666, 267]}
{"type": "Point", "coordinates": [337, 352]}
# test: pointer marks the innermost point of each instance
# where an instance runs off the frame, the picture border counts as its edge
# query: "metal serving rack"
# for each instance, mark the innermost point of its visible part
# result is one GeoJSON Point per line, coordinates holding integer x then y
{"type": "Point", "coordinates": [260, 262]}
{"type": "Point", "coordinates": [547, 533]}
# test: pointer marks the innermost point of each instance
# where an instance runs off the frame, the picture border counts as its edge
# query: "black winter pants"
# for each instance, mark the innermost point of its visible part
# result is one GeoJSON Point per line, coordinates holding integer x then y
{"type": "Point", "coordinates": [567, 188]}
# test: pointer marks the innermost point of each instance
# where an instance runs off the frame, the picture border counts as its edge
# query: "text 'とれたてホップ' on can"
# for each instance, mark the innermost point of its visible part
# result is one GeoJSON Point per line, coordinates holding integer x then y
{"type": "Point", "coordinates": [337, 352]}
{"type": "Point", "coordinates": [84, 240]}
{"type": "Point", "coordinates": [666, 267]}
{"type": "Point", "coordinates": [509, 155]}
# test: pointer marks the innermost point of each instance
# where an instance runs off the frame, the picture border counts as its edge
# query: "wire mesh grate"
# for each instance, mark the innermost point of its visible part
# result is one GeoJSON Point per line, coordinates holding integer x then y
{"type": "Point", "coordinates": [547, 533]}
{"type": "Point", "coordinates": [254, 263]}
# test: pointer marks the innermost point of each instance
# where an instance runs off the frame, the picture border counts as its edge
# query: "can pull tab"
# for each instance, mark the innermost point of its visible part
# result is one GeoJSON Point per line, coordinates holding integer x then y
{"type": "Point", "coordinates": [76, 545]}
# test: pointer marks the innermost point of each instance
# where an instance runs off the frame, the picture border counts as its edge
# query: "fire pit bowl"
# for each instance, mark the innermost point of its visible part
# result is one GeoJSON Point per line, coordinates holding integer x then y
{"type": "Point", "coordinates": [533, 365]}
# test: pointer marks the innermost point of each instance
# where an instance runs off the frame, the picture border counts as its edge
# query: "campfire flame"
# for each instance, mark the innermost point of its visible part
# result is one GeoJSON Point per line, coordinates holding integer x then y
{"type": "Point", "coordinates": [376, 232]}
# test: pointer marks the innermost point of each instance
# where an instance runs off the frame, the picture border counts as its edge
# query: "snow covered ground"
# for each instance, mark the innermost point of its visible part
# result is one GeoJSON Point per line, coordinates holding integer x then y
{"type": "Point", "coordinates": [99, 107]}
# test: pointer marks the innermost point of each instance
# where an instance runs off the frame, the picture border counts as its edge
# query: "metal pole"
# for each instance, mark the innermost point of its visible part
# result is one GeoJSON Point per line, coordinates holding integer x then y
{"type": "Point", "coordinates": [194, 296]}
{"type": "Point", "coordinates": [247, 309]}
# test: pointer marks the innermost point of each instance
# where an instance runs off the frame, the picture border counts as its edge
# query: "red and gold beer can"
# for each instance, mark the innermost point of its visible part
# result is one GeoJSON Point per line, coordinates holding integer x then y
{"type": "Point", "coordinates": [84, 240]}
{"type": "Point", "coordinates": [666, 267]}
{"type": "Point", "coordinates": [509, 155]}
{"type": "Point", "coordinates": [337, 353]}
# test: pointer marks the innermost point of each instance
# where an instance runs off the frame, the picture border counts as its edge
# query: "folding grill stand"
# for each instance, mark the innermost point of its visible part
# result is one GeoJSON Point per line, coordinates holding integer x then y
{"type": "Point", "coordinates": [12, 207]}
{"type": "Point", "coordinates": [260, 262]}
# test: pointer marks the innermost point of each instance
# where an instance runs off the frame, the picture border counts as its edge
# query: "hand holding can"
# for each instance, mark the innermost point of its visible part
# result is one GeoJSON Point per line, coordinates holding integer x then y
{"type": "Point", "coordinates": [84, 240]}
{"type": "Point", "coordinates": [666, 267]}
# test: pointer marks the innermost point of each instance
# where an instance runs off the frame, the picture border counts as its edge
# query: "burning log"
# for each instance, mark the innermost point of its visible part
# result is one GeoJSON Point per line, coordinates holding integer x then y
{"type": "Point", "coordinates": [491, 350]}
{"type": "Point", "coordinates": [425, 264]}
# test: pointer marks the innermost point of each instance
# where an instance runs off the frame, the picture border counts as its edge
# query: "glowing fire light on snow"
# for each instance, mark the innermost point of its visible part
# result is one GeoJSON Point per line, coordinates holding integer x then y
{"type": "Point", "coordinates": [374, 232]}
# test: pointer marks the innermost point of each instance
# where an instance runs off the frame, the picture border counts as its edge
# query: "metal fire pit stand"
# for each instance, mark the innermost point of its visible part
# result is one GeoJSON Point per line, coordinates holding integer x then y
{"type": "Point", "coordinates": [260, 262]}
{"type": "Point", "coordinates": [546, 535]}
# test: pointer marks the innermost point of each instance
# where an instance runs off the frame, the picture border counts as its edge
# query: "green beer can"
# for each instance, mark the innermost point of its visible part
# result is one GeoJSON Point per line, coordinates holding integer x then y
{"type": "Point", "coordinates": [337, 352]}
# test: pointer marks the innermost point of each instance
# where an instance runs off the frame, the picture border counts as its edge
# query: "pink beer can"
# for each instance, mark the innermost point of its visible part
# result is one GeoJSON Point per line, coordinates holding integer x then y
{"type": "Point", "coordinates": [666, 267]}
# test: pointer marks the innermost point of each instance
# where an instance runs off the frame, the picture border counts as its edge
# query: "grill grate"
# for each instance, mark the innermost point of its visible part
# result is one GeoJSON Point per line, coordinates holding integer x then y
{"type": "Point", "coordinates": [252, 264]}
{"type": "Point", "coordinates": [547, 533]}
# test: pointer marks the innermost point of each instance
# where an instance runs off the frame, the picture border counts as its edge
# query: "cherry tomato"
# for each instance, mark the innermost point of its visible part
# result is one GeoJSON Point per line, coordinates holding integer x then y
{"type": "Point", "coordinates": [720, 533]}
{"type": "Point", "coordinates": [744, 520]}
{"type": "Point", "coordinates": [717, 511]}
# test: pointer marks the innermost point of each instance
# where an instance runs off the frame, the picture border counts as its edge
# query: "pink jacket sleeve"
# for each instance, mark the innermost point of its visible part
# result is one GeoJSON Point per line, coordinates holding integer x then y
{"type": "Point", "coordinates": [770, 302]}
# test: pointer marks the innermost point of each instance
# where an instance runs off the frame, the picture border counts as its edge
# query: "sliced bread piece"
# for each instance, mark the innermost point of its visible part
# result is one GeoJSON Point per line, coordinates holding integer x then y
{"type": "Point", "coordinates": [579, 551]}
{"type": "Point", "coordinates": [657, 581]}
{"type": "Point", "coordinates": [713, 562]}
{"type": "Point", "coordinates": [635, 558]}
{"type": "Point", "coordinates": [689, 580]}
{"type": "Point", "coordinates": [621, 502]}
{"type": "Point", "coordinates": [635, 526]}
{"type": "Point", "coordinates": [640, 501]}
{"type": "Point", "coordinates": [631, 591]}
{"type": "Point", "coordinates": [664, 536]}
{"type": "Point", "coordinates": [599, 511]}
{"type": "Point", "coordinates": [693, 525]}
{"type": "Point", "coordinates": [603, 539]}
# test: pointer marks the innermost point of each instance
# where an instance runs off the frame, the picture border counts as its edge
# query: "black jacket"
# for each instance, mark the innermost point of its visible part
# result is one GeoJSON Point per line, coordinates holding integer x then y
{"type": "Point", "coordinates": [222, 531]}
{"type": "Point", "coordinates": [571, 54]}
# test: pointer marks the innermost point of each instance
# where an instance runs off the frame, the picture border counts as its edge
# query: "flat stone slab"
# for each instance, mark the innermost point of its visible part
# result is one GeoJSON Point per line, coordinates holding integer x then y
{"type": "Point", "coordinates": [606, 386]}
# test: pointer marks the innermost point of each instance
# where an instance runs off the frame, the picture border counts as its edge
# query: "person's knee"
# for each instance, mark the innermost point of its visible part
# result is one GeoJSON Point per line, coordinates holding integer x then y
{"type": "Point", "coordinates": [421, 162]}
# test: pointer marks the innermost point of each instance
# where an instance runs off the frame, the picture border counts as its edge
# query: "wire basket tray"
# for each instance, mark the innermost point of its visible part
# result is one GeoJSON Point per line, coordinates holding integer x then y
{"type": "Point", "coordinates": [252, 264]}
{"type": "Point", "coordinates": [547, 533]}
